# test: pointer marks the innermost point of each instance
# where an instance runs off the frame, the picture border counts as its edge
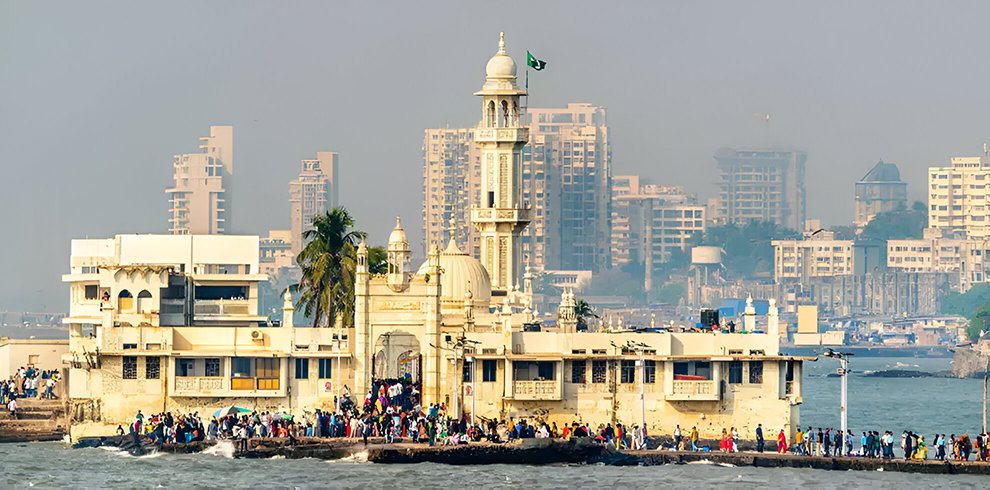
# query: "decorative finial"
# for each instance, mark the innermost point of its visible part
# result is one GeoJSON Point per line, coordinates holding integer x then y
{"type": "Point", "coordinates": [398, 222]}
{"type": "Point", "coordinates": [501, 43]}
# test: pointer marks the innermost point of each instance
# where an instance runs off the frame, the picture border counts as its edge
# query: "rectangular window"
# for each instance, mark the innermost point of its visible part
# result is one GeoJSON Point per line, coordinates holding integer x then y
{"type": "Point", "coordinates": [185, 367]}
{"type": "Point", "coordinates": [651, 372]}
{"type": "Point", "coordinates": [756, 372]}
{"type": "Point", "coordinates": [579, 372]}
{"type": "Point", "coordinates": [213, 367]}
{"type": "Point", "coordinates": [302, 368]}
{"type": "Point", "coordinates": [598, 373]}
{"type": "Point", "coordinates": [152, 367]}
{"type": "Point", "coordinates": [326, 368]}
{"type": "Point", "coordinates": [241, 367]}
{"type": "Point", "coordinates": [628, 372]}
{"type": "Point", "coordinates": [92, 291]}
{"type": "Point", "coordinates": [735, 372]}
{"type": "Point", "coordinates": [267, 372]}
{"type": "Point", "coordinates": [489, 370]}
{"type": "Point", "coordinates": [130, 367]}
{"type": "Point", "coordinates": [546, 370]}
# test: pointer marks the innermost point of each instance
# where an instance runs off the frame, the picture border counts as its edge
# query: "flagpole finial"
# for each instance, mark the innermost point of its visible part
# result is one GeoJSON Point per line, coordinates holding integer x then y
{"type": "Point", "coordinates": [501, 42]}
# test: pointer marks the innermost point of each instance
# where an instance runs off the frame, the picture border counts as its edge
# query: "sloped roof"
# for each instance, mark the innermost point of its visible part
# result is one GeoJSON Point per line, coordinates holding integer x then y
{"type": "Point", "coordinates": [882, 172]}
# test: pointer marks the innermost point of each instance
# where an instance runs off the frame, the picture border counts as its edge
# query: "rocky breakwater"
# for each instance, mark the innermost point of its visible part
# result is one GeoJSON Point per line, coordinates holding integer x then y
{"type": "Point", "coordinates": [971, 361]}
{"type": "Point", "coordinates": [36, 420]}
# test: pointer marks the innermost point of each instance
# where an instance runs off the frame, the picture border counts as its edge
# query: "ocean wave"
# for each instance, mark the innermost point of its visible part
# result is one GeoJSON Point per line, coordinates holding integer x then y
{"type": "Point", "coordinates": [223, 448]}
{"type": "Point", "coordinates": [361, 457]}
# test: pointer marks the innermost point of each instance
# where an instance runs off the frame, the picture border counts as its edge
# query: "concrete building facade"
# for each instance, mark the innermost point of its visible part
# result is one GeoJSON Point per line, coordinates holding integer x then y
{"type": "Point", "coordinates": [451, 183]}
{"type": "Point", "coordinates": [761, 185]}
{"type": "Point", "coordinates": [959, 196]}
{"type": "Point", "coordinates": [199, 199]}
{"type": "Point", "coordinates": [819, 254]}
{"type": "Point", "coordinates": [312, 193]}
{"type": "Point", "coordinates": [880, 190]}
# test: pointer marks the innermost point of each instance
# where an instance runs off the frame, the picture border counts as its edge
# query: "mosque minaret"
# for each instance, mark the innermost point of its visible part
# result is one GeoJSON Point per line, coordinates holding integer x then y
{"type": "Point", "coordinates": [501, 215]}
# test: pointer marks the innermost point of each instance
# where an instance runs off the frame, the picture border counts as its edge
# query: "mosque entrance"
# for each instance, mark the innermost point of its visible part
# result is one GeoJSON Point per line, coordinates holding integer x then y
{"type": "Point", "coordinates": [397, 356]}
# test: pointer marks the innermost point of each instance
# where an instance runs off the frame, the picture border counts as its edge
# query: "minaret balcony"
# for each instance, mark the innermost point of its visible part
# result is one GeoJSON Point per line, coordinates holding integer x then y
{"type": "Point", "coordinates": [500, 215]}
{"type": "Point", "coordinates": [495, 135]}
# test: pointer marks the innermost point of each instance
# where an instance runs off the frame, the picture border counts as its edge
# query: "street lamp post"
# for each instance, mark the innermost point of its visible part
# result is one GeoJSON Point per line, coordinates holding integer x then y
{"type": "Point", "coordinates": [843, 372]}
{"type": "Point", "coordinates": [474, 384]}
{"type": "Point", "coordinates": [640, 348]}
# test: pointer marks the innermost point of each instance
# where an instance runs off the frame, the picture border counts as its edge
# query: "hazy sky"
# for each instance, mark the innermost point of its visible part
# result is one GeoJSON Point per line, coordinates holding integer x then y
{"type": "Point", "coordinates": [96, 97]}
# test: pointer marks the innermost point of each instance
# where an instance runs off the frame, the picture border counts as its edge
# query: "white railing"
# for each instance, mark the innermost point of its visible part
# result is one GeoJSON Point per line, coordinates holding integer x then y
{"type": "Point", "coordinates": [222, 307]}
{"type": "Point", "coordinates": [695, 390]}
{"type": "Point", "coordinates": [537, 390]}
{"type": "Point", "coordinates": [197, 385]}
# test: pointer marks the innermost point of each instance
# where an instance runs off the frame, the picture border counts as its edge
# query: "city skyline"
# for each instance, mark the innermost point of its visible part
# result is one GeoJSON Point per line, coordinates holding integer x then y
{"type": "Point", "coordinates": [115, 112]}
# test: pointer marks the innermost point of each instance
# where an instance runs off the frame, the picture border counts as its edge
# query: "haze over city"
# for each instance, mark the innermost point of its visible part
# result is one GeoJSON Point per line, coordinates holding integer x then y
{"type": "Point", "coordinates": [96, 98]}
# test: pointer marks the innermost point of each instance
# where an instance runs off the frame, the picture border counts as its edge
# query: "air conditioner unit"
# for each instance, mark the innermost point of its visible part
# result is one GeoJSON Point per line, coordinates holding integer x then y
{"type": "Point", "coordinates": [256, 335]}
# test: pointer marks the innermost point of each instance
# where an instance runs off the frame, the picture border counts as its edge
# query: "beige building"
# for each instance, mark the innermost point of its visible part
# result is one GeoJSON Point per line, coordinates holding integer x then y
{"type": "Point", "coordinates": [312, 193]}
{"type": "Point", "coordinates": [958, 196]}
{"type": "Point", "coordinates": [963, 259]}
{"type": "Point", "coordinates": [819, 254]}
{"type": "Point", "coordinates": [761, 185]}
{"type": "Point", "coordinates": [198, 200]}
{"type": "Point", "coordinates": [649, 222]}
{"type": "Point", "coordinates": [193, 340]}
{"type": "Point", "coordinates": [37, 353]}
{"type": "Point", "coordinates": [880, 190]}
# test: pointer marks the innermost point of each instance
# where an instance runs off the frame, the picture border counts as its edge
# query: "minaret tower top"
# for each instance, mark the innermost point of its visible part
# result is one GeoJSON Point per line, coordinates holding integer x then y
{"type": "Point", "coordinates": [501, 215]}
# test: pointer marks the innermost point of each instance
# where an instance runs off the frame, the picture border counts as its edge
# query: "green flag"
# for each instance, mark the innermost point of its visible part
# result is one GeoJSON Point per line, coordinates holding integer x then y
{"type": "Point", "coordinates": [535, 63]}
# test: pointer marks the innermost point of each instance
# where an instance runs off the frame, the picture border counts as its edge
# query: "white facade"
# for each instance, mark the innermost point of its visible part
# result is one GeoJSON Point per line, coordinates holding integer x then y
{"type": "Point", "coordinates": [959, 196]}
{"type": "Point", "coordinates": [198, 200]}
{"type": "Point", "coordinates": [819, 255]}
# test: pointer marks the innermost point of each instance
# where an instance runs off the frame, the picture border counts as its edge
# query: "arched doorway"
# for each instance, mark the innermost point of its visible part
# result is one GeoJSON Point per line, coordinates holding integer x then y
{"type": "Point", "coordinates": [397, 356]}
{"type": "Point", "coordinates": [144, 301]}
{"type": "Point", "coordinates": [125, 301]}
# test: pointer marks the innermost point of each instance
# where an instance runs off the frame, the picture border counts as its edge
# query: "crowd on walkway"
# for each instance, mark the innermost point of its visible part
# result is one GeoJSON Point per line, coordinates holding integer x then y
{"type": "Point", "coordinates": [28, 382]}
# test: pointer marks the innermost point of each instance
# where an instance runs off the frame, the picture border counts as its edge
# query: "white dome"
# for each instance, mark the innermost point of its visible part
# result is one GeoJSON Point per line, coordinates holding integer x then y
{"type": "Point", "coordinates": [398, 236]}
{"type": "Point", "coordinates": [501, 65]}
{"type": "Point", "coordinates": [461, 273]}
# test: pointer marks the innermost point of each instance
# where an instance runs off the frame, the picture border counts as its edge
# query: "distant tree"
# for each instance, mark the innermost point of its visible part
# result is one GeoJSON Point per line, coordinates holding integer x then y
{"type": "Point", "coordinates": [377, 260]}
{"type": "Point", "coordinates": [895, 225]}
{"type": "Point", "coordinates": [748, 248]}
{"type": "Point", "coordinates": [672, 293]}
{"type": "Point", "coordinates": [328, 264]}
{"type": "Point", "coordinates": [968, 303]}
{"type": "Point", "coordinates": [978, 323]}
{"type": "Point", "coordinates": [584, 311]}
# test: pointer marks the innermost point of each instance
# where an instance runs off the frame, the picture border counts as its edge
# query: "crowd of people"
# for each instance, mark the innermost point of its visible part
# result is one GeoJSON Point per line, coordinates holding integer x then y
{"type": "Point", "coordinates": [28, 382]}
{"type": "Point", "coordinates": [391, 410]}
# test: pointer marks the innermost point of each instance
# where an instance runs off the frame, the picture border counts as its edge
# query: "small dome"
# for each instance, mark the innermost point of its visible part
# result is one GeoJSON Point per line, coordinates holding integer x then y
{"type": "Point", "coordinates": [398, 236]}
{"type": "Point", "coordinates": [501, 65]}
{"type": "Point", "coordinates": [462, 274]}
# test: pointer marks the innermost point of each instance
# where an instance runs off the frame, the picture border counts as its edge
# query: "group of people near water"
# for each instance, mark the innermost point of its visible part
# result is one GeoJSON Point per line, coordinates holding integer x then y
{"type": "Point", "coordinates": [28, 382]}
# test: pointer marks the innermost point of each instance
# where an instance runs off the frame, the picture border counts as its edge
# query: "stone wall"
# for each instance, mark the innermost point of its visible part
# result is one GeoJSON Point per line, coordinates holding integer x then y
{"type": "Point", "coordinates": [971, 362]}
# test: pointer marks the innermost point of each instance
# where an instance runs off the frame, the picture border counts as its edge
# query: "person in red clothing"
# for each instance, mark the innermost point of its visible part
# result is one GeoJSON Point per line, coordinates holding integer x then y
{"type": "Point", "coordinates": [781, 442]}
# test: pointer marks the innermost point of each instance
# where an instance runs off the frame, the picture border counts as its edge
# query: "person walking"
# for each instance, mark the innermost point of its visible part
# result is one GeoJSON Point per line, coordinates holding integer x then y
{"type": "Point", "coordinates": [759, 438]}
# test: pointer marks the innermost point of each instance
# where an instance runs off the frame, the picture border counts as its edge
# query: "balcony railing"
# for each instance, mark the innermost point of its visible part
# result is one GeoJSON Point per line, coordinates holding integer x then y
{"type": "Point", "coordinates": [198, 386]}
{"type": "Point", "coordinates": [537, 390]}
{"type": "Point", "coordinates": [221, 307]}
{"type": "Point", "coordinates": [694, 390]}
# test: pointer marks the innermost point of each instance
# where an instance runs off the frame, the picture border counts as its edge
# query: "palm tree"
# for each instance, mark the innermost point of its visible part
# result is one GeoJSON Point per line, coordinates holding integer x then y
{"type": "Point", "coordinates": [328, 264]}
{"type": "Point", "coordinates": [583, 310]}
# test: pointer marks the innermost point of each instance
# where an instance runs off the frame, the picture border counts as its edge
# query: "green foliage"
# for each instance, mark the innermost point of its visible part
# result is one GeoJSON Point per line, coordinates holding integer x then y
{"type": "Point", "coordinates": [584, 311]}
{"type": "Point", "coordinates": [966, 304]}
{"type": "Point", "coordinates": [672, 293]}
{"type": "Point", "coordinates": [748, 251]}
{"type": "Point", "coordinates": [978, 323]}
{"type": "Point", "coordinates": [328, 265]}
{"type": "Point", "coordinates": [377, 260]}
{"type": "Point", "coordinates": [899, 224]}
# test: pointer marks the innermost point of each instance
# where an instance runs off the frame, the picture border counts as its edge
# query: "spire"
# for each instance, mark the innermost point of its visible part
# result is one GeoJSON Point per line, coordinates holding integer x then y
{"type": "Point", "coordinates": [501, 43]}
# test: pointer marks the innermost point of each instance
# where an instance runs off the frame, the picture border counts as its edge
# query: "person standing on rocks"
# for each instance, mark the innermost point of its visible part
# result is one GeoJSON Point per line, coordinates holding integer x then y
{"type": "Point", "coordinates": [759, 438]}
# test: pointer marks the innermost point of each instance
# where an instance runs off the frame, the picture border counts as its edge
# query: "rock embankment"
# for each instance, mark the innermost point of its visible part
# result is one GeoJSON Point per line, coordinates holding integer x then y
{"type": "Point", "coordinates": [971, 361]}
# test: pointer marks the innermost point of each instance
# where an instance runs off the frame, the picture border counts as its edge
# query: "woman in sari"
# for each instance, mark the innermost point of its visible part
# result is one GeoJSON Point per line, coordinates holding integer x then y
{"type": "Point", "coordinates": [921, 452]}
{"type": "Point", "coordinates": [781, 442]}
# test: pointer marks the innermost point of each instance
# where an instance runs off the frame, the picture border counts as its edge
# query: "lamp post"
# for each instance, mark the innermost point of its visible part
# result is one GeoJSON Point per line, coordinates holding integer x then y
{"type": "Point", "coordinates": [640, 349]}
{"type": "Point", "coordinates": [474, 384]}
{"type": "Point", "coordinates": [843, 372]}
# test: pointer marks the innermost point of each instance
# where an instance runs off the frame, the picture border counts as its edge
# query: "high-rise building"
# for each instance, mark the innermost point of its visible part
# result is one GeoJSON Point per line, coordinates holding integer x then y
{"type": "Point", "coordinates": [312, 193]}
{"type": "Point", "coordinates": [650, 222]}
{"type": "Point", "coordinates": [451, 183]}
{"type": "Point", "coordinates": [199, 202]}
{"type": "Point", "coordinates": [565, 182]}
{"type": "Point", "coordinates": [880, 190]}
{"type": "Point", "coordinates": [819, 254]}
{"type": "Point", "coordinates": [761, 185]}
{"type": "Point", "coordinates": [959, 196]}
{"type": "Point", "coordinates": [583, 161]}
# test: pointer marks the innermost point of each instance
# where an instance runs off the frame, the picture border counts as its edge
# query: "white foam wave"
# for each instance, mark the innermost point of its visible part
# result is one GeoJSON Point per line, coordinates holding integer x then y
{"type": "Point", "coordinates": [223, 448]}
{"type": "Point", "coordinates": [361, 457]}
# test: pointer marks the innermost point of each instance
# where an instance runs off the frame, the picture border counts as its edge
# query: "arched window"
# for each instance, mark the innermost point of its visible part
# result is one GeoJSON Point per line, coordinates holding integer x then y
{"type": "Point", "coordinates": [491, 114]}
{"type": "Point", "coordinates": [125, 301]}
{"type": "Point", "coordinates": [144, 301]}
{"type": "Point", "coordinates": [505, 113]}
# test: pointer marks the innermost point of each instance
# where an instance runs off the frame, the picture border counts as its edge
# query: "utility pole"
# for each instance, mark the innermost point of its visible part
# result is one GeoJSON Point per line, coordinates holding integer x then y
{"type": "Point", "coordinates": [843, 372]}
{"type": "Point", "coordinates": [640, 349]}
